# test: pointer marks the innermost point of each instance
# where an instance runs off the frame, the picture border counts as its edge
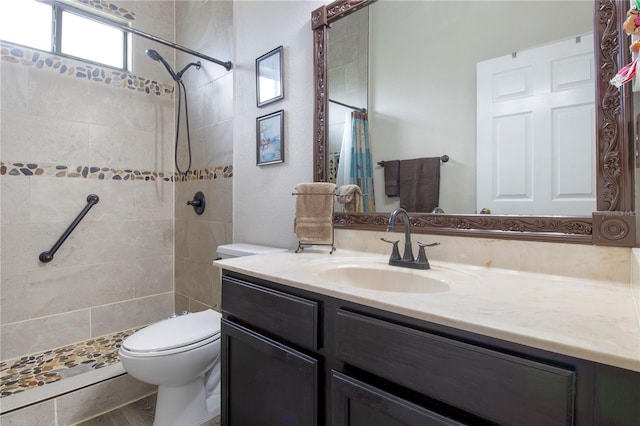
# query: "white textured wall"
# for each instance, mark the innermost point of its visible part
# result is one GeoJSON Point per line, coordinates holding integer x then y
{"type": "Point", "coordinates": [263, 205]}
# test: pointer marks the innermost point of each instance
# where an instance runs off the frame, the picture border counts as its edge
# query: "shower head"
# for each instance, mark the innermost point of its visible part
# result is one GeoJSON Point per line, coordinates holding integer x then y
{"type": "Point", "coordinates": [153, 54]}
{"type": "Point", "coordinates": [156, 57]}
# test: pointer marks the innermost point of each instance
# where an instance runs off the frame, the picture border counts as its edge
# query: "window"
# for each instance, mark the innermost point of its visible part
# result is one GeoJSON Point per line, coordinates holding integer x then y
{"type": "Point", "coordinates": [28, 23]}
{"type": "Point", "coordinates": [46, 27]}
{"type": "Point", "coordinates": [97, 42]}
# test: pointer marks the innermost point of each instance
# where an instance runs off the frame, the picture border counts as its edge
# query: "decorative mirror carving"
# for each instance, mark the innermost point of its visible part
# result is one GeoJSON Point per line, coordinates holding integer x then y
{"type": "Point", "coordinates": [614, 222]}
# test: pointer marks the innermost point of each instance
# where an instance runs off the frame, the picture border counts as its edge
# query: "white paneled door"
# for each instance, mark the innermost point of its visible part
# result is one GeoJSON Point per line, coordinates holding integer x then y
{"type": "Point", "coordinates": [536, 130]}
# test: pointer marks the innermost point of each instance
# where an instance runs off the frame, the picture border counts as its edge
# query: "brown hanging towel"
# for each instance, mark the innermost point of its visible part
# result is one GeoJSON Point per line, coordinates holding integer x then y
{"type": "Point", "coordinates": [391, 175]}
{"type": "Point", "coordinates": [419, 184]}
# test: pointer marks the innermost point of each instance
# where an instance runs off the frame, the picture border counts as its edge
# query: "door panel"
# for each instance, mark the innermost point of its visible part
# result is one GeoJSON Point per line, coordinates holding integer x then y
{"type": "Point", "coordinates": [536, 130]}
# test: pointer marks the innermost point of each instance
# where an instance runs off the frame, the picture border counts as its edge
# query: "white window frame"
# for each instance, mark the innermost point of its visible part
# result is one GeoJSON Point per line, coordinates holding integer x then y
{"type": "Point", "coordinates": [57, 32]}
{"type": "Point", "coordinates": [57, 29]}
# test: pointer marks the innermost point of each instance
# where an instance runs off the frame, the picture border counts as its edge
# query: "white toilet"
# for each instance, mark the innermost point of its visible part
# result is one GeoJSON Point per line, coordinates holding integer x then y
{"type": "Point", "coordinates": [182, 356]}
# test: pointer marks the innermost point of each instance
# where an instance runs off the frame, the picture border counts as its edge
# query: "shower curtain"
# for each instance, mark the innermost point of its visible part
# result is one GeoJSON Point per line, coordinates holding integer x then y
{"type": "Point", "coordinates": [355, 165]}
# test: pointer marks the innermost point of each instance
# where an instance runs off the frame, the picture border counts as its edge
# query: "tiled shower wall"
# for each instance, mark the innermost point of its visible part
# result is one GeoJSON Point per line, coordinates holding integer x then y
{"type": "Point", "coordinates": [68, 130]}
{"type": "Point", "coordinates": [205, 26]}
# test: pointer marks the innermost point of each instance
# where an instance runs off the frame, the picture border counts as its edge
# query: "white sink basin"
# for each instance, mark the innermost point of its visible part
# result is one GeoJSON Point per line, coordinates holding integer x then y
{"type": "Point", "coordinates": [377, 275]}
{"type": "Point", "coordinates": [369, 278]}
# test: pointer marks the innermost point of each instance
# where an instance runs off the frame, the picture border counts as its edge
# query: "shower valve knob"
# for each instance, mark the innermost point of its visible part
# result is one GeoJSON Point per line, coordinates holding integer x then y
{"type": "Point", "coordinates": [198, 203]}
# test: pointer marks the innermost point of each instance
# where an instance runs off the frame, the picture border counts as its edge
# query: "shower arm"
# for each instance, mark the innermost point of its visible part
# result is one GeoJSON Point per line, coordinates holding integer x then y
{"type": "Point", "coordinates": [189, 65]}
{"type": "Point", "coordinates": [64, 6]}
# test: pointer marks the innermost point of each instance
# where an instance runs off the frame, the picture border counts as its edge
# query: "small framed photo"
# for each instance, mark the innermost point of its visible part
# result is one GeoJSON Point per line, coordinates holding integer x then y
{"type": "Point", "coordinates": [269, 79]}
{"type": "Point", "coordinates": [270, 138]}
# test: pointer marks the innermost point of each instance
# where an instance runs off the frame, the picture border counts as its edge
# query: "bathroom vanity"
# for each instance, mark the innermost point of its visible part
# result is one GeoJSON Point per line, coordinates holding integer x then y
{"type": "Point", "coordinates": [297, 350]}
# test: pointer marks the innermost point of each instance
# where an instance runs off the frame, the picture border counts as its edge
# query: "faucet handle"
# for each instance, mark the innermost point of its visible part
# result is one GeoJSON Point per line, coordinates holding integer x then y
{"type": "Point", "coordinates": [427, 245]}
{"type": "Point", "coordinates": [422, 256]}
{"type": "Point", "coordinates": [395, 253]}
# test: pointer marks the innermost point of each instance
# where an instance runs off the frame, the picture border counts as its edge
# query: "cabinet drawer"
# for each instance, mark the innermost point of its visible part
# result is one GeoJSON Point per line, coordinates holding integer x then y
{"type": "Point", "coordinates": [292, 318]}
{"type": "Point", "coordinates": [356, 403]}
{"type": "Point", "coordinates": [498, 387]}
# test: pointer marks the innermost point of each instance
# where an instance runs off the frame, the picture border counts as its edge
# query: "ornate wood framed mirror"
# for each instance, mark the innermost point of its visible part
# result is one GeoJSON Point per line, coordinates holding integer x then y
{"type": "Point", "coordinates": [614, 221]}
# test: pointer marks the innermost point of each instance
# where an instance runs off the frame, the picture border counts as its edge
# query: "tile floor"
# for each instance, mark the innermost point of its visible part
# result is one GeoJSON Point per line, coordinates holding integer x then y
{"type": "Point", "coordinates": [139, 413]}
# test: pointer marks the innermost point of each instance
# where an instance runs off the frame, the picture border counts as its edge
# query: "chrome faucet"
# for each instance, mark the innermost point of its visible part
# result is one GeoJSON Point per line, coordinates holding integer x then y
{"type": "Point", "coordinates": [407, 260]}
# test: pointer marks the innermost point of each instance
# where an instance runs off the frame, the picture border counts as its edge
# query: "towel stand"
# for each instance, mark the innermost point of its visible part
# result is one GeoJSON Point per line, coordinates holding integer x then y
{"type": "Point", "coordinates": [310, 193]}
{"type": "Point", "coordinates": [443, 159]}
{"type": "Point", "coordinates": [301, 244]}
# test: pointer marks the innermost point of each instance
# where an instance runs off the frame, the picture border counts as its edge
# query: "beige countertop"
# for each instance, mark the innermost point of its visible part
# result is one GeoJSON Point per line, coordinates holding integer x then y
{"type": "Point", "coordinates": [589, 319]}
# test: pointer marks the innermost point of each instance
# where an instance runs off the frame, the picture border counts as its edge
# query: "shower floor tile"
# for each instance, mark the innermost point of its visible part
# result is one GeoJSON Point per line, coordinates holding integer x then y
{"type": "Point", "coordinates": [31, 371]}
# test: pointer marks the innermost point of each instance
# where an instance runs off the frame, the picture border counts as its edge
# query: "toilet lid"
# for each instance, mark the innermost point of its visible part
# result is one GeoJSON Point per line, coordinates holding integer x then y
{"type": "Point", "coordinates": [175, 332]}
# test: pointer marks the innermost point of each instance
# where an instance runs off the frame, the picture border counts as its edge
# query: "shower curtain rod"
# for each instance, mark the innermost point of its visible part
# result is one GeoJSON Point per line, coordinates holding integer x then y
{"type": "Point", "coordinates": [364, 110]}
{"type": "Point", "coordinates": [64, 6]}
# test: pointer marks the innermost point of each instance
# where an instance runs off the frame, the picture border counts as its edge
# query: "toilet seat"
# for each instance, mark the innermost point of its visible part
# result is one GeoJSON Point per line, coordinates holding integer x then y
{"type": "Point", "coordinates": [166, 352]}
{"type": "Point", "coordinates": [174, 335]}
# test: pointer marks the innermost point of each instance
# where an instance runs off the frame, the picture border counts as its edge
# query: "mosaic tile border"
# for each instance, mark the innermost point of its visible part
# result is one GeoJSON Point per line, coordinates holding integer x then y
{"type": "Point", "coordinates": [27, 169]}
{"type": "Point", "coordinates": [65, 66]}
{"type": "Point", "coordinates": [110, 8]}
{"type": "Point", "coordinates": [31, 371]}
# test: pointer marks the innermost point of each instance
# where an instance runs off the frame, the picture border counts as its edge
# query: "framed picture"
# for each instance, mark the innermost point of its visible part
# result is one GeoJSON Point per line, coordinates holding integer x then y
{"type": "Point", "coordinates": [270, 138]}
{"type": "Point", "coordinates": [269, 79]}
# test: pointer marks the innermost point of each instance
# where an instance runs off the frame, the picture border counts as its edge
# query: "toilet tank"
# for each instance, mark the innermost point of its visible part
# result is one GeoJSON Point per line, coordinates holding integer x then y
{"type": "Point", "coordinates": [227, 251]}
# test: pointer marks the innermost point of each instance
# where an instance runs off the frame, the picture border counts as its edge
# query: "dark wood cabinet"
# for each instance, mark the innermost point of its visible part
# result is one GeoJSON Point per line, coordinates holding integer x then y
{"type": "Point", "coordinates": [293, 357]}
{"type": "Point", "coordinates": [276, 313]}
{"type": "Point", "coordinates": [265, 382]}
{"type": "Point", "coordinates": [617, 400]}
{"type": "Point", "coordinates": [489, 384]}
{"type": "Point", "coordinates": [356, 403]}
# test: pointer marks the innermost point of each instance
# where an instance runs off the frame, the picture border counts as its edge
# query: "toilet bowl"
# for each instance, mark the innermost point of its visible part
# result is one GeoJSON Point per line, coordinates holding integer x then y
{"type": "Point", "coordinates": [182, 356]}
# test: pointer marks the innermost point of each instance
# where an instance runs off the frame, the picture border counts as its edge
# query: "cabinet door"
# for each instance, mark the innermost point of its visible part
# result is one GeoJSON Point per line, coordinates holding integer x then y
{"type": "Point", "coordinates": [617, 399]}
{"type": "Point", "coordinates": [495, 386]}
{"type": "Point", "coordinates": [264, 382]}
{"type": "Point", "coordinates": [358, 404]}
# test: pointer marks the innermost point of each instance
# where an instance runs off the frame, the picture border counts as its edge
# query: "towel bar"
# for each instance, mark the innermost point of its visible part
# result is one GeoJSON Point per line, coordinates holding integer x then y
{"type": "Point", "coordinates": [443, 159]}
{"type": "Point", "coordinates": [311, 193]}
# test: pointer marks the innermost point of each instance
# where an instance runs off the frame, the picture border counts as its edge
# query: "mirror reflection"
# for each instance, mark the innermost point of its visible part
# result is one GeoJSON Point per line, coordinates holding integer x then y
{"type": "Point", "coordinates": [469, 81]}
